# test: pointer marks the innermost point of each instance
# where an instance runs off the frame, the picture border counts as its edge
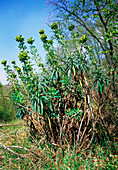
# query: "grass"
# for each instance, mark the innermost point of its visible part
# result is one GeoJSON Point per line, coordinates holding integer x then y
{"type": "Point", "coordinates": [24, 154]}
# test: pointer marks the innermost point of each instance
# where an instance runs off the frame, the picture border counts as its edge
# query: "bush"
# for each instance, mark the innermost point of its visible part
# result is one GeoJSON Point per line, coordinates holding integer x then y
{"type": "Point", "coordinates": [6, 107]}
{"type": "Point", "coordinates": [55, 100]}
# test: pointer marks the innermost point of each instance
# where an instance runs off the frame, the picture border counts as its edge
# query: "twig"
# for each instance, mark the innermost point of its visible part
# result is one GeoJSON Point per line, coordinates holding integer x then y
{"type": "Point", "coordinates": [6, 148]}
{"type": "Point", "coordinates": [19, 147]}
{"type": "Point", "coordinates": [93, 129]}
{"type": "Point", "coordinates": [12, 125]}
{"type": "Point", "coordinates": [1, 152]}
{"type": "Point", "coordinates": [10, 164]}
{"type": "Point", "coordinates": [86, 126]}
{"type": "Point", "coordinates": [81, 125]}
{"type": "Point", "coordinates": [51, 129]}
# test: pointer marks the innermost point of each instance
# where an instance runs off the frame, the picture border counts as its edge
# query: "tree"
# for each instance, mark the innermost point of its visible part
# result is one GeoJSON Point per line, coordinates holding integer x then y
{"type": "Point", "coordinates": [6, 108]}
{"type": "Point", "coordinates": [98, 20]}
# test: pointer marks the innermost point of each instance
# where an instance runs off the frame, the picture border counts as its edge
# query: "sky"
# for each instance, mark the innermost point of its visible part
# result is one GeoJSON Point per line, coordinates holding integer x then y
{"type": "Point", "coordinates": [25, 17]}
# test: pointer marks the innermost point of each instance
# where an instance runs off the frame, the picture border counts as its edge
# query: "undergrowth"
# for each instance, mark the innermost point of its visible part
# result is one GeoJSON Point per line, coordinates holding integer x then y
{"type": "Point", "coordinates": [18, 152]}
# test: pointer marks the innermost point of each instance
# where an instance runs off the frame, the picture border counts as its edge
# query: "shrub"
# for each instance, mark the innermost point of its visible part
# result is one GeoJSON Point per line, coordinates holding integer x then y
{"type": "Point", "coordinates": [55, 101]}
{"type": "Point", "coordinates": [6, 107]}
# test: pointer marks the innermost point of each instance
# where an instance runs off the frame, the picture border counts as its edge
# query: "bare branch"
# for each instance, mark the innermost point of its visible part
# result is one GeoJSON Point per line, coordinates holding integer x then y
{"type": "Point", "coordinates": [6, 148]}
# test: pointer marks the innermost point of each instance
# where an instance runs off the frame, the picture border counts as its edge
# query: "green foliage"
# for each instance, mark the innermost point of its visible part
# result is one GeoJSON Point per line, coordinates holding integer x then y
{"type": "Point", "coordinates": [83, 39]}
{"type": "Point", "coordinates": [71, 27]}
{"type": "Point", "coordinates": [95, 19]}
{"type": "Point", "coordinates": [6, 107]}
{"type": "Point", "coordinates": [45, 157]}
{"type": "Point", "coordinates": [50, 94]}
{"type": "Point", "coordinates": [18, 69]}
{"type": "Point", "coordinates": [50, 41]}
{"type": "Point", "coordinates": [100, 81]}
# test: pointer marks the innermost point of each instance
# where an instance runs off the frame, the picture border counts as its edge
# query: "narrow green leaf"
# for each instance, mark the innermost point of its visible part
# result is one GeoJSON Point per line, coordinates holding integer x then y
{"type": "Point", "coordinates": [41, 103]}
{"type": "Point", "coordinates": [98, 87]}
{"type": "Point", "coordinates": [44, 97]}
{"type": "Point", "coordinates": [94, 85]}
{"type": "Point", "coordinates": [33, 105]}
{"type": "Point", "coordinates": [56, 75]}
{"type": "Point", "coordinates": [65, 92]}
{"type": "Point", "coordinates": [101, 88]}
{"type": "Point", "coordinates": [74, 70]}
{"type": "Point", "coordinates": [56, 96]}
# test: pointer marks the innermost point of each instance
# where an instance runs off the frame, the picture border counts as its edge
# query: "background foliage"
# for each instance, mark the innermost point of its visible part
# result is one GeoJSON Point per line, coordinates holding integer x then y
{"type": "Point", "coordinates": [6, 107]}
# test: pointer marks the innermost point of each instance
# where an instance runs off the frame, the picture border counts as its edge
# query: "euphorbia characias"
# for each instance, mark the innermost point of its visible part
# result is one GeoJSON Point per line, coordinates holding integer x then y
{"type": "Point", "coordinates": [56, 88]}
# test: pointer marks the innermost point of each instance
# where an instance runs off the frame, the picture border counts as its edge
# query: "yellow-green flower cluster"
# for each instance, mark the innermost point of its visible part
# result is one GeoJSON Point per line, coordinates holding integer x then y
{"type": "Point", "coordinates": [18, 69]}
{"type": "Point", "coordinates": [50, 41]}
{"type": "Point", "coordinates": [20, 38]}
{"type": "Point", "coordinates": [30, 40]}
{"type": "Point", "coordinates": [23, 56]}
{"type": "Point", "coordinates": [41, 65]}
{"type": "Point", "coordinates": [83, 39]}
{"type": "Point", "coordinates": [43, 37]}
{"type": "Point", "coordinates": [13, 75]}
{"type": "Point", "coordinates": [13, 62]}
{"type": "Point", "coordinates": [41, 31]}
{"type": "Point", "coordinates": [4, 62]}
{"type": "Point", "coordinates": [54, 25]}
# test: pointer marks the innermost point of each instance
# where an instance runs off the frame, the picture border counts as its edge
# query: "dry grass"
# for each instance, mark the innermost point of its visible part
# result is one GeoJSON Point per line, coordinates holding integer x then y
{"type": "Point", "coordinates": [18, 152]}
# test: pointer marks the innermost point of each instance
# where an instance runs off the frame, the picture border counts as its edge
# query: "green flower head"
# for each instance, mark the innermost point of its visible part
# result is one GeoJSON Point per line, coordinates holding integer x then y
{"type": "Point", "coordinates": [18, 69]}
{"type": "Point", "coordinates": [71, 27]}
{"type": "Point", "coordinates": [13, 62]}
{"type": "Point", "coordinates": [20, 38]}
{"type": "Point", "coordinates": [23, 56]}
{"type": "Point", "coordinates": [54, 25]}
{"type": "Point", "coordinates": [83, 39]}
{"type": "Point", "coordinates": [41, 65]}
{"type": "Point", "coordinates": [30, 40]}
{"type": "Point", "coordinates": [41, 31]}
{"type": "Point", "coordinates": [4, 62]}
{"type": "Point", "coordinates": [13, 75]}
{"type": "Point", "coordinates": [43, 37]}
{"type": "Point", "coordinates": [50, 42]}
